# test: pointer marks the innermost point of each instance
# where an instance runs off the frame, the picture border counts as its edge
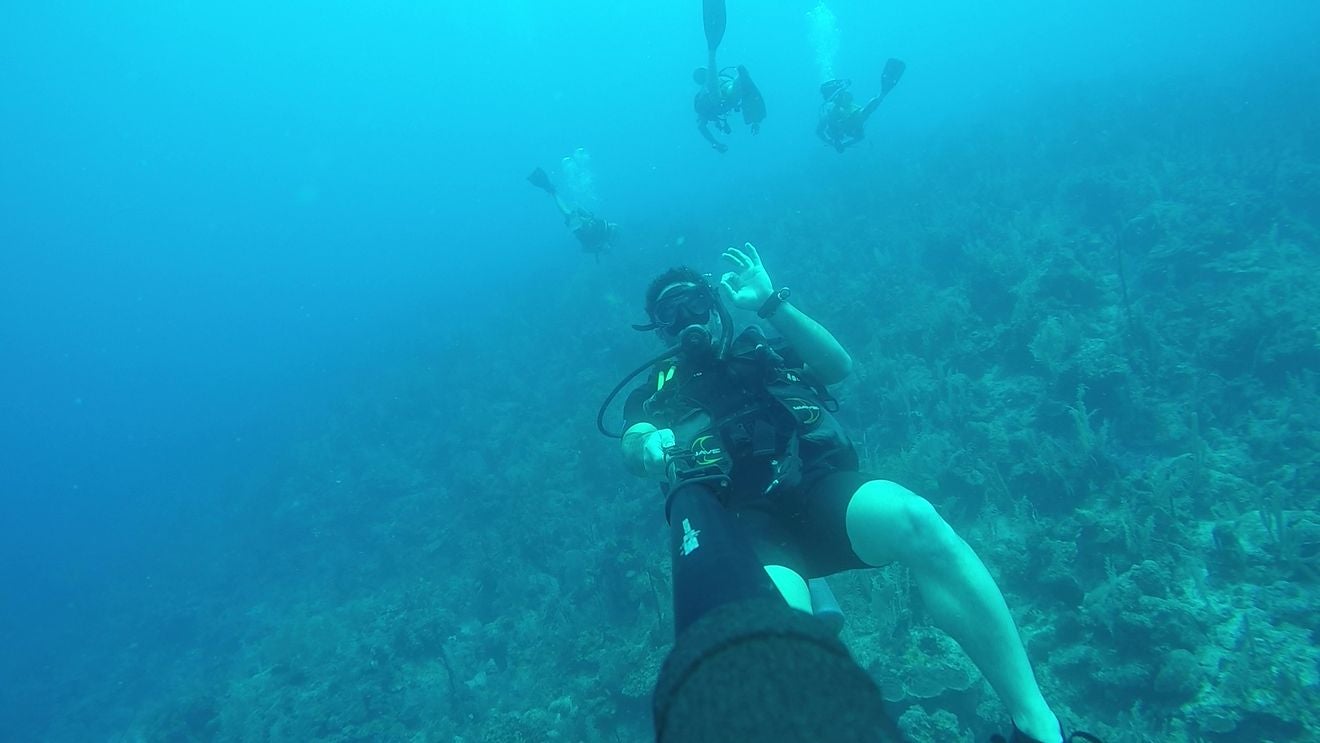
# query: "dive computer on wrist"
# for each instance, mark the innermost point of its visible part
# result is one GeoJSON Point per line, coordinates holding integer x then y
{"type": "Point", "coordinates": [773, 304]}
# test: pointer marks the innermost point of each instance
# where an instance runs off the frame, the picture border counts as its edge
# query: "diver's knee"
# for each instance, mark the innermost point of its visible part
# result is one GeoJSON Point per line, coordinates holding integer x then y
{"type": "Point", "coordinates": [888, 522]}
{"type": "Point", "coordinates": [921, 522]}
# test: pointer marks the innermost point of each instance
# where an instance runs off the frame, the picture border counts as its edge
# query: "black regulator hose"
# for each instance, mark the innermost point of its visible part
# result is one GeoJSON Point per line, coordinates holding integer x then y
{"type": "Point", "coordinates": [688, 340]}
{"type": "Point", "coordinates": [604, 406]}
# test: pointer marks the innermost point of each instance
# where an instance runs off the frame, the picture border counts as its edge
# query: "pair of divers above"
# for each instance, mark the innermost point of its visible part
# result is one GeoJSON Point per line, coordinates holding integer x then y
{"type": "Point", "coordinates": [722, 92]}
{"type": "Point", "coordinates": [595, 234]}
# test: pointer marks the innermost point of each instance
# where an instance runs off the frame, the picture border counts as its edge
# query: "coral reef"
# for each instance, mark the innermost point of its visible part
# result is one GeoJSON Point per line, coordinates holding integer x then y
{"type": "Point", "coordinates": [1095, 354]}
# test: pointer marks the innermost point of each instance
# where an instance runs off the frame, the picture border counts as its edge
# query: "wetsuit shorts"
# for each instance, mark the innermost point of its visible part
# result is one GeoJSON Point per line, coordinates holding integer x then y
{"type": "Point", "coordinates": [805, 528]}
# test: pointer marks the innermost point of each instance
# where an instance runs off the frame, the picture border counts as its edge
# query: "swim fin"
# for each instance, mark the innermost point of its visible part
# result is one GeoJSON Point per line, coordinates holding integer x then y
{"type": "Point", "coordinates": [893, 73]}
{"type": "Point", "coordinates": [753, 105]}
{"type": "Point", "coordinates": [539, 179]}
{"type": "Point", "coordinates": [824, 606]}
{"type": "Point", "coordinates": [715, 16]}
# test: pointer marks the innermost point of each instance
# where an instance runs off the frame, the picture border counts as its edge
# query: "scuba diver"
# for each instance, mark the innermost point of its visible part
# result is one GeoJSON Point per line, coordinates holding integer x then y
{"type": "Point", "coordinates": [595, 234]}
{"type": "Point", "coordinates": [726, 91]}
{"type": "Point", "coordinates": [842, 121]}
{"type": "Point", "coordinates": [753, 418]}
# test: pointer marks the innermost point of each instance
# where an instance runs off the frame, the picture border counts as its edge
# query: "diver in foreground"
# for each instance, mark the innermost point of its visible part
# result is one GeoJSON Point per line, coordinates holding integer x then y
{"type": "Point", "coordinates": [595, 234]}
{"type": "Point", "coordinates": [737, 644]}
{"type": "Point", "coordinates": [842, 121]}
{"type": "Point", "coordinates": [752, 417]}
{"type": "Point", "coordinates": [726, 91]}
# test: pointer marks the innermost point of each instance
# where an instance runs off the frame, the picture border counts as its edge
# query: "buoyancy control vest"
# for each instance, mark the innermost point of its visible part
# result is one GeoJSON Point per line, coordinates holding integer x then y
{"type": "Point", "coordinates": [755, 414]}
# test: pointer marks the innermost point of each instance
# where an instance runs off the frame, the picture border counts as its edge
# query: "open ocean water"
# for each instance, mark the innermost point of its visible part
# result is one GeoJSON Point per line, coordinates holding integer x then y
{"type": "Point", "coordinates": [299, 376]}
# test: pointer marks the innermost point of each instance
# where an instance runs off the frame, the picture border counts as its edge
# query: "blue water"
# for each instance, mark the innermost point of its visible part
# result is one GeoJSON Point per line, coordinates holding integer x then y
{"type": "Point", "coordinates": [229, 230]}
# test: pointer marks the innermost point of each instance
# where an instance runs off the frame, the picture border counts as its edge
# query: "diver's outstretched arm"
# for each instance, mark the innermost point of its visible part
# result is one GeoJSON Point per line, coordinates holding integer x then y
{"type": "Point", "coordinates": [823, 130]}
{"type": "Point", "coordinates": [703, 126]}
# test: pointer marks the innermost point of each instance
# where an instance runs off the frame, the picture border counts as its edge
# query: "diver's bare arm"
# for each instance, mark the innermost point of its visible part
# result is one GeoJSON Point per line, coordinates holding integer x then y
{"type": "Point", "coordinates": [822, 131]}
{"type": "Point", "coordinates": [704, 128]}
{"type": "Point", "coordinates": [712, 76]}
{"type": "Point", "coordinates": [816, 345]}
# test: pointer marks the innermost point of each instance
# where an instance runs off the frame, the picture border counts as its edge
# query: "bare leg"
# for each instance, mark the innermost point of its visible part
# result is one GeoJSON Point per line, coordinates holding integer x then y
{"type": "Point", "coordinates": [559, 202]}
{"type": "Point", "coordinates": [887, 522]}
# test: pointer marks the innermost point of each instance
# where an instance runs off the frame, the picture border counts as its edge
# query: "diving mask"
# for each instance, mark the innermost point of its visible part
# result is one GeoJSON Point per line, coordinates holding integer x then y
{"type": "Point", "coordinates": [680, 306]}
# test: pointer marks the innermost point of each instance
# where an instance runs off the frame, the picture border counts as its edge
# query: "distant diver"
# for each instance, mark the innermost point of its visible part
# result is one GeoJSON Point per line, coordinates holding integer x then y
{"type": "Point", "coordinates": [595, 234]}
{"type": "Point", "coordinates": [725, 91]}
{"type": "Point", "coordinates": [842, 121]}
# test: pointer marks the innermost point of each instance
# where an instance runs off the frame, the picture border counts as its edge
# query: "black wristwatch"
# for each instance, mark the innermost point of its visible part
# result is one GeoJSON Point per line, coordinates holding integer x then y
{"type": "Point", "coordinates": [772, 304]}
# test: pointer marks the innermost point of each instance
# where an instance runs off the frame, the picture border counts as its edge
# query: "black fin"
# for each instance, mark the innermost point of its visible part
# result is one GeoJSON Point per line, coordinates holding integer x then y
{"type": "Point", "coordinates": [753, 105]}
{"type": "Point", "coordinates": [715, 17]}
{"type": "Point", "coordinates": [539, 179]}
{"type": "Point", "coordinates": [893, 73]}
